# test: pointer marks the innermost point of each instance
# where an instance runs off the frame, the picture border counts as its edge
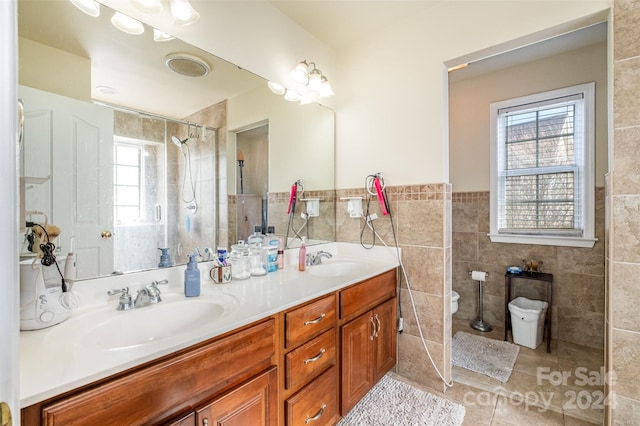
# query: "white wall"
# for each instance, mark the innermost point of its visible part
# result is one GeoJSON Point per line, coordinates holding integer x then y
{"type": "Point", "coordinates": [469, 138]}
{"type": "Point", "coordinates": [54, 70]}
{"type": "Point", "coordinates": [391, 90]}
{"type": "Point", "coordinates": [301, 139]}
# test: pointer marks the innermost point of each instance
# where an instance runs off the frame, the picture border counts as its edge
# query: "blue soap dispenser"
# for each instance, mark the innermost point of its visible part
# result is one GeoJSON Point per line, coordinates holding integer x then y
{"type": "Point", "coordinates": [192, 278]}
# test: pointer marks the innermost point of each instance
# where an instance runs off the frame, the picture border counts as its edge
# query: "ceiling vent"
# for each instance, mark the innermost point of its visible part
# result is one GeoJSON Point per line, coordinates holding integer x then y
{"type": "Point", "coordinates": [187, 64]}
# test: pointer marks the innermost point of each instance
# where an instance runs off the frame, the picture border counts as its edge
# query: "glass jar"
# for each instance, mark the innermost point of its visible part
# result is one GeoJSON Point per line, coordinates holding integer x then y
{"type": "Point", "coordinates": [258, 255]}
{"type": "Point", "coordinates": [240, 262]}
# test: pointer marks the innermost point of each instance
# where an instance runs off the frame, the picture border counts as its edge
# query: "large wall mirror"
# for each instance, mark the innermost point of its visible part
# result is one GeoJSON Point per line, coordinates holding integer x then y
{"type": "Point", "coordinates": [108, 122]}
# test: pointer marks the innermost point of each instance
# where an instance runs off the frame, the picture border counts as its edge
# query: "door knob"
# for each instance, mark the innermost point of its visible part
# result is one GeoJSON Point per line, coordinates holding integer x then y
{"type": "Point", "coordinates": [5, 414]}
{"type": "Point", "coordinates": [106, 235]}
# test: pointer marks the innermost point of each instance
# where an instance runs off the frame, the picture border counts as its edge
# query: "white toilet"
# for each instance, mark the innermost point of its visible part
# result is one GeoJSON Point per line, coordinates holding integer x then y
{"type": "Point", "coordinates": [454, 302]}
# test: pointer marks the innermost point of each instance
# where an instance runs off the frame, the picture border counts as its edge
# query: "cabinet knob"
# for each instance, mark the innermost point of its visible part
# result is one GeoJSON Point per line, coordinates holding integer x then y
{"type": "Point", "coordinates": [317, 416]}
{"type": "Point", "coordinates": [205, 422]}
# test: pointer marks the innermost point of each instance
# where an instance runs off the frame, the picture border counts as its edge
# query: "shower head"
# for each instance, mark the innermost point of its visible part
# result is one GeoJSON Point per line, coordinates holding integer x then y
{"type": "Point", "coordinates": [177, 141]}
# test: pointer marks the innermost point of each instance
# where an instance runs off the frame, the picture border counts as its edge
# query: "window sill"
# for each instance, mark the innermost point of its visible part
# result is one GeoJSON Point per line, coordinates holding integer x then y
{"type": "Point", "coordinates": [544, 240]}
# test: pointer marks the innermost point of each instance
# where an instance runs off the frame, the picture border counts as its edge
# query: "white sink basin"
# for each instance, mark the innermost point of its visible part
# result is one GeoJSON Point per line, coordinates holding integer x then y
{"type": "Point", "coordinates": [338, 268]}
{"type": "Point", "coordinates": [110, 330]}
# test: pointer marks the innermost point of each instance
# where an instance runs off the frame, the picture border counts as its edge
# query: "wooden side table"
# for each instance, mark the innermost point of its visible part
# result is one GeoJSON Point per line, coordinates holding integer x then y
{"type": "Point", "coordinates": [533, 276]}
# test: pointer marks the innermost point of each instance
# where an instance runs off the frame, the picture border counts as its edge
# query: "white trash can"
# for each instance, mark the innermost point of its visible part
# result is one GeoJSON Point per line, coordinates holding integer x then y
{"type": "Point", "coordinates": [527, 321]}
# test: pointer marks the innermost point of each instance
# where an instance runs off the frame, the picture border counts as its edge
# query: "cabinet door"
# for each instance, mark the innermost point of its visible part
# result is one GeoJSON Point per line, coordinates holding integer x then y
{"type": "Point", "coordinates": [385, 341]}
{"type": "Point", "coordinates": [357, 357]}
{"type": "Point", "coordinates": [253, 403]}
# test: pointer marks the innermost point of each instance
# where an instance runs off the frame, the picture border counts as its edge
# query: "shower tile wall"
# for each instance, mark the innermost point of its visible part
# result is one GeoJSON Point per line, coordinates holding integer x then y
{"type": "Point", "coordinates": [579, 292]}
{"type": "Point", "coordinates": [422, 224]}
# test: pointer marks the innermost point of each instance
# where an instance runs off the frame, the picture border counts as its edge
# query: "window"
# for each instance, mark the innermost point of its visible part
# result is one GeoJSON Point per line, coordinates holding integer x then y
{"type": "Point", "coordinates": [542, 183]}
{"type": "Point", "coordinates": [126, 182]}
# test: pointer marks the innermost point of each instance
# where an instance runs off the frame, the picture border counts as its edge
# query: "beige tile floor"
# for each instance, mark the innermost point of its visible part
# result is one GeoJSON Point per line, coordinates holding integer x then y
{"type": "Point", "coordinates": [535, 393]}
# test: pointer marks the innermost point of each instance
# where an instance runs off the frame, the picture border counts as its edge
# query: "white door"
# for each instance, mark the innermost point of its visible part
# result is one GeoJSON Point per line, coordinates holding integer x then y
{"type": "Point", "coordinates": [9, 310]}
{"type": "Point", "coordinates": [79, 138]}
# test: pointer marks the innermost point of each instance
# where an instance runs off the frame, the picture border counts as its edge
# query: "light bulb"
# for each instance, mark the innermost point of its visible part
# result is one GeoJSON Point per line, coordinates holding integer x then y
{"type": "Point", "coordinates": [161, 35]}
{"type": "Point", "coordinates": [149, 6]}
{"type": "Point", "coordinates": [127, 24]}
{"type": "Point", "coordinates": [292, 96]}
{"type": "Point", "coordinates": [183, 13]}
{"type": "Point", "coordinates": [315, 80]}
{"type": "Point", "coordinates": [325, 89]}
{"type": "Point", "coordinates": [300, 73]}
{"type": "Point", "coordinates": [276, 88]}
{"type": "Point", "coordinates": [90, 7]}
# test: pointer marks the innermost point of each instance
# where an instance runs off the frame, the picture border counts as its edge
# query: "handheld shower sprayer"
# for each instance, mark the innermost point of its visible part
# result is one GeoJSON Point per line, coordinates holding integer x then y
{"type": "Point", "coordinates": [179, 142]}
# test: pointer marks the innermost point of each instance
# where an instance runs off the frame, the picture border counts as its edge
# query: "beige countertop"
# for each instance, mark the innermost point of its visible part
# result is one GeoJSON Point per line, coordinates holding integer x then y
{"type": "Point", "coordinates": [69, 355]}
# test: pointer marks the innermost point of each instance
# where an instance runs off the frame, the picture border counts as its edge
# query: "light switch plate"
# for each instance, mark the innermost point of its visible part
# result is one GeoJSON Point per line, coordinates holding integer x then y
{"type": "Point", "coordinates": [354, 207]}
{"type": "Point", "coordinates": [313, 207]}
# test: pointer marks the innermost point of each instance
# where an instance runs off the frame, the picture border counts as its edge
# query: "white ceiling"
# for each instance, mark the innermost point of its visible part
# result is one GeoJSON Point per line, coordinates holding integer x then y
{"type": "Point", "coordinates": [134, 65]}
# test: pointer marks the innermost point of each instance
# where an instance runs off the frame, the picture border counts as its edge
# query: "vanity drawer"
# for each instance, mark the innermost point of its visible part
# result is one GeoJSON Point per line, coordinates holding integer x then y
{"type": "Point", "coordinates": [316, 404]}
{"type": "Point", "coordinates": [309, 320]}
{"type": "Point", "coordinates": [364, 296]}
{"type": "Point", "coordinates": [305, 362]}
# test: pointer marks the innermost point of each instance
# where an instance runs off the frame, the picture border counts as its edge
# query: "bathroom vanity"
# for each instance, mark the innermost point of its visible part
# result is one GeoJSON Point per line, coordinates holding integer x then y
{"type": "Point", "coordinates": [290, 348]}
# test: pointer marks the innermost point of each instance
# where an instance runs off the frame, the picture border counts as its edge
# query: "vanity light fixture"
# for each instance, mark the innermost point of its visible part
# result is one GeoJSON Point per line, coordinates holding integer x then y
{"type": "Point", "coordinates": [161, 35]}
{"type": "Point", "coordinates": [183, 13]}
{"type": "Point", "coordinates": [127, 24]}
{"type": "Point", "coordinates": [90, 7]}
{"type": "Point", "coordinates": [306, 73]}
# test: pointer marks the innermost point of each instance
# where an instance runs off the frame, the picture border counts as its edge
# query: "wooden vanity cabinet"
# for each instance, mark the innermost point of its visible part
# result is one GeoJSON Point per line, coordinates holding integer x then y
{"type": "Point", "coordinates": [304, 366]}
{"type": "Point", "coordinates": [310, 383]}
{"type": "Point", "coordinates": [368, 336]}
{"type": "Point", "coordinates": [237, 369]}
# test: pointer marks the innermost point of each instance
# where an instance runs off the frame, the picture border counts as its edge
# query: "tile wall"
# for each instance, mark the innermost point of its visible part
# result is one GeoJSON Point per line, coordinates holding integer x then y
{"type": "Point", "coordinates": [421, 216]}
{"type": "Point", "coordinates": [578, 289]}
{"type": "Point", "coordinates": [623, 319]}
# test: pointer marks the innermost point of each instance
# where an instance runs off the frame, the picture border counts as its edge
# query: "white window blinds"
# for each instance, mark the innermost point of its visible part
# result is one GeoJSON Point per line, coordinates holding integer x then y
{"type": "Point", "coordinates": [540, 163]}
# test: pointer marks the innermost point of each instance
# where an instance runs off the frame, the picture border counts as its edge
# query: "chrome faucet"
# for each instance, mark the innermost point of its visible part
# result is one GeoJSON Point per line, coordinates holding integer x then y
{"type": "Point", "coordinates": [316, 258]}
{"type": "Point", "coordinates": [154, 291]}
{"type": "Point", "coordinates": [144, 297]}
{"type": "Point", "coordinates": [124, 303]}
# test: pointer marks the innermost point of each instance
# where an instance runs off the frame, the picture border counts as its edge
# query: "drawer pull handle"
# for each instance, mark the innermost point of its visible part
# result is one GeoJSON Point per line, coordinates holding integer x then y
{"type": "Point", "coordinates": [374, 332]}
{"type": "Point", "coordinates": [315, 321]}
{"type": "Point", "coordinates": [317, 416]}
{"type": "Point", "coordinates": [315, 358]}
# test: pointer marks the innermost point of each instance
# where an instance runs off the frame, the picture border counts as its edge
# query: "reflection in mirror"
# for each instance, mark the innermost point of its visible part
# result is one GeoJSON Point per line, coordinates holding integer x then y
{"type": "Point", "coordinates": [86, 197]}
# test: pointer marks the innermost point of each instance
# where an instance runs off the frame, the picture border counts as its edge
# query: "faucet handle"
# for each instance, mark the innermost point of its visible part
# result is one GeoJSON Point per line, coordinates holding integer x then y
{"type": "Point", "coordinates": [124, 303]}
{"type": "Point", "coordinates": [154, 291]}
